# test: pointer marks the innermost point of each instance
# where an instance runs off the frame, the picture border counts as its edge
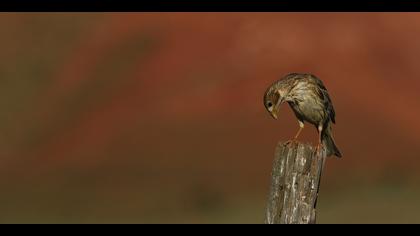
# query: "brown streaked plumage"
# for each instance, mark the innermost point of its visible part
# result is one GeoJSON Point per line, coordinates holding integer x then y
{"type": "Point", "coordinates": [309, 100]}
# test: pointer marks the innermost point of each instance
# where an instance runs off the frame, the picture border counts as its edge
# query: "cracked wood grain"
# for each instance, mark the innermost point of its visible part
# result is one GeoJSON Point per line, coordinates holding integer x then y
{"type": "Point", "coordinates": [295, 180]}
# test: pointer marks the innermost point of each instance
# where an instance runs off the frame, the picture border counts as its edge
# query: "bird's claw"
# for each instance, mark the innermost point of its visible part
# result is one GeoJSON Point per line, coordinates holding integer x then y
{"type": "Point", "coordinates": [319, 148]}
{"type": "Point", "coordinates": [291, 142]}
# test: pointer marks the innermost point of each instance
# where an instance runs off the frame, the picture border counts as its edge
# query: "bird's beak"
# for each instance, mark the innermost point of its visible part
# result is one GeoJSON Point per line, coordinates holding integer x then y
{"type": "Point", "coordinates": [273, 114]}
{"type": "Point", "coordinates": [276, 109]}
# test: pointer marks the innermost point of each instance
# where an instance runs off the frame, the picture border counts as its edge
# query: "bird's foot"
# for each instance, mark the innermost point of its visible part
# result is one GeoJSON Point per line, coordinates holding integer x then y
{"type": "Point", "coordinates": [291, 142]}
{"type": "Point", "coordinates": [319, 148]}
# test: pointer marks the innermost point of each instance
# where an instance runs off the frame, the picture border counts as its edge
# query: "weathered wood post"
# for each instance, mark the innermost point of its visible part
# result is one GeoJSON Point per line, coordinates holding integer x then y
{"type": "Point", "coordinates": [296, 176]}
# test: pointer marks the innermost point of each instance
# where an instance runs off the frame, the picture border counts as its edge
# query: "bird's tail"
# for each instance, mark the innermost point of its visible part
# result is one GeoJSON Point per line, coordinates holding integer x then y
{"type": "Point", "coordinates": [329, 144]}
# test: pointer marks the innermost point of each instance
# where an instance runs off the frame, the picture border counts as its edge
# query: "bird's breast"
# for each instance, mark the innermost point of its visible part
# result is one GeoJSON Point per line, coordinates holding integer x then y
{"type": "Point", "coordinates": [308, 110]}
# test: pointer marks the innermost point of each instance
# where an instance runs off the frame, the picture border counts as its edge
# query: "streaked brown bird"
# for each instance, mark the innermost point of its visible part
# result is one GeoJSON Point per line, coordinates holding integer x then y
{"type": "Point", "coordinates": [309, 100]}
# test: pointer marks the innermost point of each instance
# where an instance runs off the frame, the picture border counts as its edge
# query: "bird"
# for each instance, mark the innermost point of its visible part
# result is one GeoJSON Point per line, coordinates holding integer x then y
{"type": "Point", "coordinates": [309, 100]}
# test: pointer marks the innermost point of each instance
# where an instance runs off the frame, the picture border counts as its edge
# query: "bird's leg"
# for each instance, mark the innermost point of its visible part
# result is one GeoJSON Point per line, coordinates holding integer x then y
{"type": "Point", "coordinates": [301, 126]}
{"type": "Point", "coordinates": [319, 146]}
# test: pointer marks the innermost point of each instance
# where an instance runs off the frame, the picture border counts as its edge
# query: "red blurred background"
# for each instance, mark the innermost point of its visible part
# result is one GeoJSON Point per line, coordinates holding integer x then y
{"type": "Point", "coordinates": [158, 117]}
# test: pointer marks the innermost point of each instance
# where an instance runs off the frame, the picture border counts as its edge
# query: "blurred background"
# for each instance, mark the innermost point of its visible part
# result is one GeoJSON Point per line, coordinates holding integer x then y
{"type": "Point", "coordinates": [158, 117]}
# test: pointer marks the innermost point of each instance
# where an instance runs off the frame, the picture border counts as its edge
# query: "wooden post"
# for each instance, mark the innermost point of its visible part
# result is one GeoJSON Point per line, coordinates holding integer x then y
{"type": "Point", "coordinates": [296, 176]}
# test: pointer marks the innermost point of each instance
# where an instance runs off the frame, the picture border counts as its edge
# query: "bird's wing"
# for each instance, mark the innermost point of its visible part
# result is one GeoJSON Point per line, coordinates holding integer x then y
{"type": "Point", "coordinates": [325, 97]}
{"type": "Point", "coordinates": [329, 106]}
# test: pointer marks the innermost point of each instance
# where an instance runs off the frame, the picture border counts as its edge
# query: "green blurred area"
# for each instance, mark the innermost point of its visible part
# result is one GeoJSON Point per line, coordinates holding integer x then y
{"type": "Point", "coordinates": [78, 202]}
{"type": "Point", "coordinates": [158, 118]}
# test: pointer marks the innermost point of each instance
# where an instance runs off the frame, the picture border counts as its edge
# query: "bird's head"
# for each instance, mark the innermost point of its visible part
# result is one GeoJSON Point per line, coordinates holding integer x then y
{"type": "Point", "coordinates": [273, 98]}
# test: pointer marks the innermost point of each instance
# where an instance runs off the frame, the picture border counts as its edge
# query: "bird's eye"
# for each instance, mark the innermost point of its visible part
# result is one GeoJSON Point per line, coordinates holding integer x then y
{"type": "Point", "coordinates": [269, 104]}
